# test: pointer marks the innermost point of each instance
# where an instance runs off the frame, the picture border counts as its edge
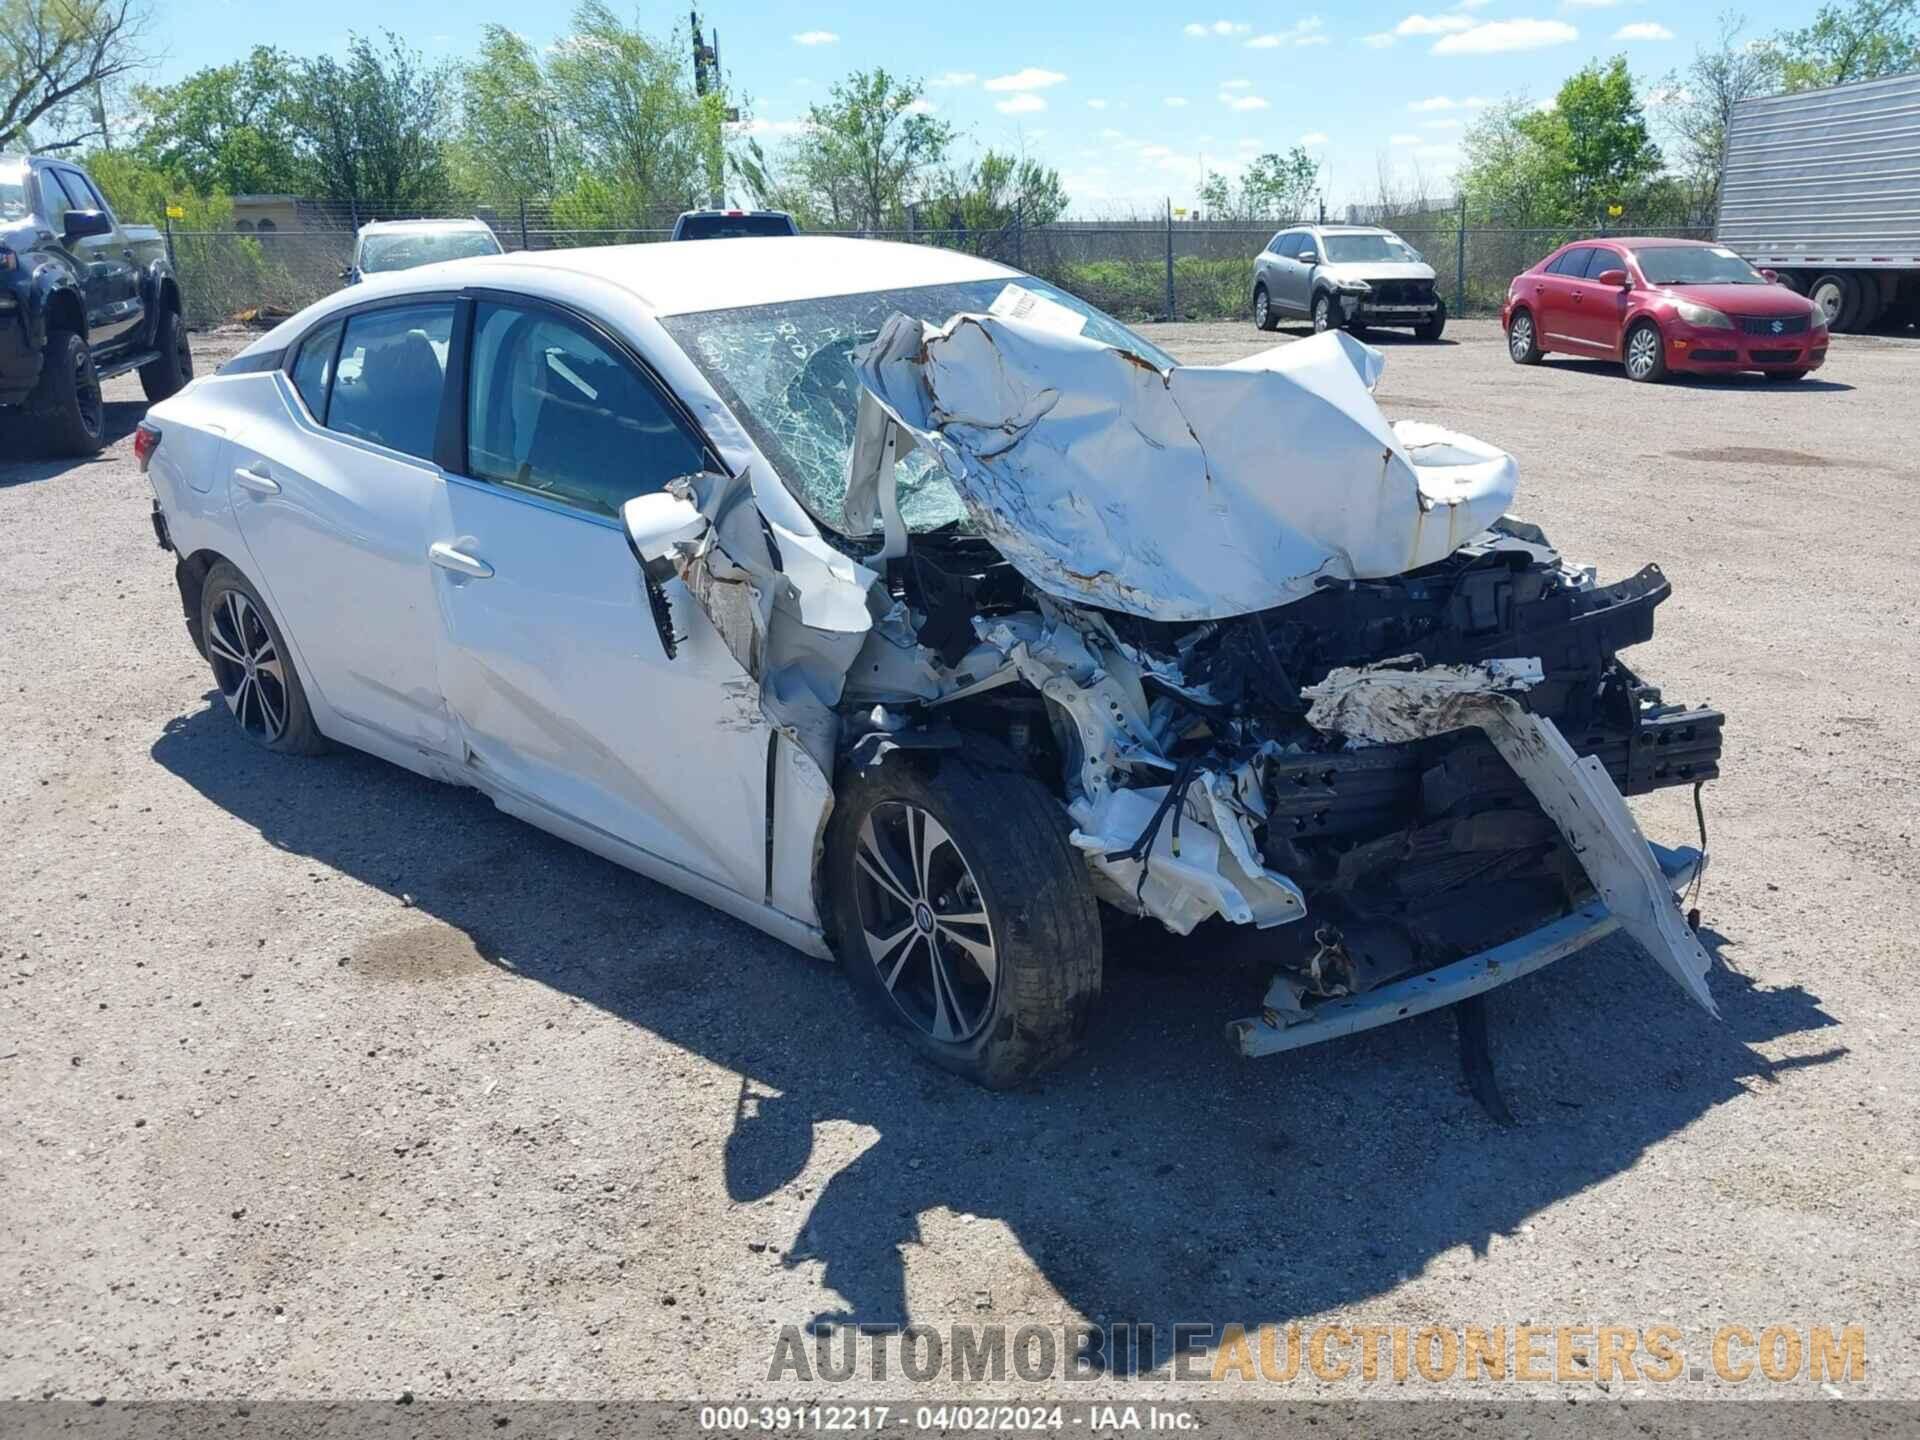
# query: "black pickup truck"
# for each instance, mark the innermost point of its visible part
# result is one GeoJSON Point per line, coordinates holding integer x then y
{"type": "Point", "coordinates": [82, 298]}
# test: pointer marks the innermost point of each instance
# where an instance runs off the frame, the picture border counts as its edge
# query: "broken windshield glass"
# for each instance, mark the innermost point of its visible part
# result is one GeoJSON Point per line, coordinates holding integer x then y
{"type": "Point", "coordinates": [786, 371]}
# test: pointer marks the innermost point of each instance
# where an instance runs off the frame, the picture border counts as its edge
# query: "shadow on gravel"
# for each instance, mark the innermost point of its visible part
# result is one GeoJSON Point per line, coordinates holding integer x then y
{"type": "Point", "coordinates": [21, 461]}
{"type": "Point", "coordinates": [1156, 1179]}
{"type": "Point", "coordinates": [1389, 339]}
{"type": "Point", "coordinates": [1741, 380]}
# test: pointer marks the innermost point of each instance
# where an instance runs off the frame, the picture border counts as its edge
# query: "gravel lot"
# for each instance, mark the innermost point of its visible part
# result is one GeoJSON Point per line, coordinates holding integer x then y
{"type": "Point", "coordinates": [322, 1080]}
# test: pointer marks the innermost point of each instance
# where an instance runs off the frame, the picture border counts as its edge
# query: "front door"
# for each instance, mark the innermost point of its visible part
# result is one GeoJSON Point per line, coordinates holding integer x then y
{"type": "Point", "coordinates": [338, 504]}
{"type": "Point", "coordinates": [108, 280]}
{"type": "Point", "coordinates": [552, 663]}
{"type": "Point", "coordinates": [1600, 309]}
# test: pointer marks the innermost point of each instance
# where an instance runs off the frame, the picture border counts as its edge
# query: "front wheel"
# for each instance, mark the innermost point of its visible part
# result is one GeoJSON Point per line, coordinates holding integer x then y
{"type": "Point", "coordinates": [1646, 353]}
{"type": "Point", "coordinates": [963, 914]}
{"type": "Point", "coordinates": [169, 371]}
{"type": "Point", "coordinates": [1435, 325]}
{"type": "Point", "coordinates": [1328, 313]}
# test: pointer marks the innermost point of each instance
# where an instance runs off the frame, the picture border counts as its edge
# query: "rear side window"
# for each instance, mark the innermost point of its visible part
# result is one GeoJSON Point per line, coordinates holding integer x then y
{"type": "Point", "coordinates": [1573, 263]}
{"type": "Point", "coordinates": [313, 369]}
{"type": "Point", "coordinates": [392, 369]}
{"type": "Point", "coordinates": [552, 410]}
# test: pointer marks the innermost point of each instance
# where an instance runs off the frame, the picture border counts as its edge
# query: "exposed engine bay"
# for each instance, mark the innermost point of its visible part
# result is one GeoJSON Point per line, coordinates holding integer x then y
{"type": "Point", "coordinates": [1287, 667]}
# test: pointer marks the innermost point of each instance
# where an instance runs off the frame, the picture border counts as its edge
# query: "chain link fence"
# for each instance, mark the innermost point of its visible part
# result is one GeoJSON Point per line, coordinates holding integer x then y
{"type": "Point", "coordinates": [1136, 270]}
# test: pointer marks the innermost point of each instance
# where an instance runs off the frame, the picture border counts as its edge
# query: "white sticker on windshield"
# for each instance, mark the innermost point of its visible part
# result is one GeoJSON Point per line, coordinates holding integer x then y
{"type": "Point", "coordinates": [1016, 302]}
{"type": "Point", "coordinates": [1724, 253]}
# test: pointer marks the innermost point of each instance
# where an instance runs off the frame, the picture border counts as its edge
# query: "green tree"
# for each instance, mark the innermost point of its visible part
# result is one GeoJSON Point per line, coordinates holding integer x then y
{"type": "Point", "coordinates": [647, 141]}
{"type": "Point", "coordinates": [371, 129]}
{"type": "Point", "coordinates": [228, 127]}
{"type": "Point", "coordinates": [57, 57]}
{"type": "Point", "coordinates": [1859, 41]}
{"type": "Point", "coordinates": [992, 192]}
{"type": "Point", "coordinates": [1566, 165]}
{"type": "Point", "coordinates": [511, 141]}
{"type": "Point", "coordinates": [1696, 104]}
{"type": "Point", "coordinates": [868, 149]}
{"type": "Point", "coordinates": [1272, 187]}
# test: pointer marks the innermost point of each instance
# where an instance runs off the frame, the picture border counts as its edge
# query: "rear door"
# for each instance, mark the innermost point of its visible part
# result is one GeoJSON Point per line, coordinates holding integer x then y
{"type": "Point", "coordinates": [338, 499]}
{"type": "Point", "coordinates": [1556, 300]}
{"type": "Point", "coordinates": [1290, 292]}
{"type": "Point", "coordinates": [1598, 310]}
{"type": "Point", "coordinates": [552, 663]}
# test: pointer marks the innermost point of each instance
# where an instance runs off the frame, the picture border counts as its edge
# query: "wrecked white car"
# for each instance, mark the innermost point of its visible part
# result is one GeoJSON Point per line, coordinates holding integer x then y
{"type": "Point", "coordinates": [910, 609]}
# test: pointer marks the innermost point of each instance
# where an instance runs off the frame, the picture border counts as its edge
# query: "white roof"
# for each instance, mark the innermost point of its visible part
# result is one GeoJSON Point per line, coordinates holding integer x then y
{"type": "Point", "coordinates": [679, 277]}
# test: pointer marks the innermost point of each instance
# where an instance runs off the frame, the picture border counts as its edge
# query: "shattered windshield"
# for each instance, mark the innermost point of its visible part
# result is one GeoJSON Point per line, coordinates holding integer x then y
{"type": "Point", "coordinates": [1361, 249]}
{"type": "Point", "coordinates": [1695, 265]}
{"type": "Point", "coordinates": [405, 249]}
{"type": "Point", "coordinates": [13, 191]}
{"type": "Point", "coordinates": [786, 370]}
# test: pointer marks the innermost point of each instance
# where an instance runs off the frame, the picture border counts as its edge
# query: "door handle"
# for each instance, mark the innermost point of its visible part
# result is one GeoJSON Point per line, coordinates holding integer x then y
{"type": "Point", "coordinates": [257, 480]}
{"type": "Point", "coordinates": [449, 557]}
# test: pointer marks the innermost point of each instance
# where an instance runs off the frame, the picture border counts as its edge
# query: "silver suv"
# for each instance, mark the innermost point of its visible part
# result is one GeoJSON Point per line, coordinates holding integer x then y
{"type": "Point", "coordinates": [1351, 275]}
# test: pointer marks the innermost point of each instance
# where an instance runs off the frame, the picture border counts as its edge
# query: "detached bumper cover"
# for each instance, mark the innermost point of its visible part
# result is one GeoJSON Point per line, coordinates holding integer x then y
{"type": "Point", "coordinates": [1258, 1035]}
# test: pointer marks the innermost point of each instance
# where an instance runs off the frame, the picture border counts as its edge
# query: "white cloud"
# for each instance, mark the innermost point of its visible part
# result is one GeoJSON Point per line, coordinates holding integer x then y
{"type": "Point", "coordinates": [1096, 104]}
{"type": "Point", "coordinates": [816, 37]}
{"type": "Point", "coordinates": [1592, 4]}
{"type": "Point", "coordinates": [1439, 124]}
{"type": "Point", "coordinates": [1200, 31]}
{"type": "Point", "coordinates": [1471, 5]}
{"type": "Point", "coordinates": [1432, 25]}
{"type": "Point", "coordinates": [1643, 30]}
{"type": "Point", "coordinates": [1498, 37]}
{"type": "Point", "coordinates": [1155, 152]}
{"type": "Point", "coordinates": [922, 106]}
{"type": "Point", "coordinates": [1378, 42]}
{"type": "Point", "coordinates": [1243, 102]}
{"type": "Point", "coordinates": [779, 128]}
{"type": "Point", "coordinates": [1403, 140]}
{"type": "Point", "coordinates": [1175, 102]}
{"type": "Point", "coordinates": [1020, 105]}
{"type": "Point", "coordinates": [1236, 84]}
{"type": "Point", "coordinates": [1313, 137]}
{"type": "Point", "coordinates": [1031, 78]}
{"type": "Point", "coordinates": [953, 79]}
{"type": "Point", "coordinates": [1447, 102]}
{"type": "Point", "coordinates": [1303, 32]}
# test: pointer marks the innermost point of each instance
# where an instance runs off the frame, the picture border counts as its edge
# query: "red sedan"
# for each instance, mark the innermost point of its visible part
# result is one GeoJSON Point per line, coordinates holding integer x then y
{"type": "Point", "coordinates": [1661, 306]}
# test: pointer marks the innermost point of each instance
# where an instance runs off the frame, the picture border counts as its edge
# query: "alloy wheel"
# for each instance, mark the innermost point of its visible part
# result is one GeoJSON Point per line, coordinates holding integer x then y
{"type": "Point", "coordinates": [247, 667]}
{"type": "Point", "coordinates": [924, 922]}
{"type": "Point", "coordinates": [1643, 351]}
{"type": "Point", "coordinates": [1520, 337]}
{"type": "Point", "coordinates": [1323, 315]}
{"type": "Point", "coordinates": [86, 394]}
{"type": "Point", "coordinates": [1260, 311]}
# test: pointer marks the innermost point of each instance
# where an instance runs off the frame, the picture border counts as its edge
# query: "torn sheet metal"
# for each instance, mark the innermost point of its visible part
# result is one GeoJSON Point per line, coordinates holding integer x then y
{"type": "Point", "coordinates": [794, 619]}
{"type": "Point", "coordinates": [1379, 705]}
{"type": "Point", "coordinates": [1199, 493]}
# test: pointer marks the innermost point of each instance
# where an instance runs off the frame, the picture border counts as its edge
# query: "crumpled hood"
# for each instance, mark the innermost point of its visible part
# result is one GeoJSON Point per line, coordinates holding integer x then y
{"type": "Point", "coordinates": [1376, 270]}
{"type": "Point", "coordinates": [1198, 493]}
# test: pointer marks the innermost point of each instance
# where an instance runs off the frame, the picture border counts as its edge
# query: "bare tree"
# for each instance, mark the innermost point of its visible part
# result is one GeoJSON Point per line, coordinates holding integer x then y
{"type": "Point", "coordinates": [57, 57]}
{"type": "Point", "coordinates": [1693, 107]}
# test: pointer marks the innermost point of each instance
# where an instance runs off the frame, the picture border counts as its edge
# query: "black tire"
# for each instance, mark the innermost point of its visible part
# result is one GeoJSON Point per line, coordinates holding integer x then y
{"type": "Point", "coordinates": [1837, 293]}
{"type": "Point", "coordinates": [1873, 303]}
{"type": "Point", "coordinates": [1264, 317]}
{"type": "Point", "coordinates": [1435, 327]}
{"type": "Point", "coordinates": [68, 415]}
{"type": "Point", "coordinates": [1523, 340]}
{"type": "Point", "coordinates": [1649, 367]}
{"type": "Point", "coordinates": [274, 713]}
{"type": "Point", "coordinates": [1782, 377]}
{"type": "Point", "coordinates": [1015, 867]}
{"type": "Point", "coordinates": [169, 373]}
{"type": "Point", "coordinates": [1328, 312]}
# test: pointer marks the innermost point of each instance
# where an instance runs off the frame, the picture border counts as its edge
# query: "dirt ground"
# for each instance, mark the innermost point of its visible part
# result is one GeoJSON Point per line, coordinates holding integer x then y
{"type": "Point", "coordinates": [323, 1080]}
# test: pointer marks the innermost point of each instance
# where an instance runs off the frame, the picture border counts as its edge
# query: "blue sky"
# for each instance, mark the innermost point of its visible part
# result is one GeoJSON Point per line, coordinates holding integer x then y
{"type": "Point", "coordinates": [1126, 98]}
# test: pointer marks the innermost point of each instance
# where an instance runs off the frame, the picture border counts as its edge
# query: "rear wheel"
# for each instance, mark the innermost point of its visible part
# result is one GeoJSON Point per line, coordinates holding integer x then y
{"type": "Point", "coordinates": [1873, 302]}
{"type": "Point", "coordinates": [168, 372]}
{"type": "Point", "coordinates": [68, 412]}
{"type": "Point", "coordinates": [253, 667]}
{"type": "Point", "coordinates": [964, 915]}
{"type": "Point", "coordinates": [1838, 295]}
{"type": "Point", "coordinates": [1646, 353]}
{"type": "Point", "coordinates": [1523, 344]}
{"type": "Point", "coordinates": [1263, 316]}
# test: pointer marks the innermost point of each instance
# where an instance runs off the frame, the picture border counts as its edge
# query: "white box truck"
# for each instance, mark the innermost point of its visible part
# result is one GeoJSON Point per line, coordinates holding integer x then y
{"type": "Point", "coordinates": [1823, 187]}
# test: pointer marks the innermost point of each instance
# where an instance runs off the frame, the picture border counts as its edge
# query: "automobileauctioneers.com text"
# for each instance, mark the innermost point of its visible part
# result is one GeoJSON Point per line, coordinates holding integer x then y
{"type": "Point", "coordinates": [1555, 1354]}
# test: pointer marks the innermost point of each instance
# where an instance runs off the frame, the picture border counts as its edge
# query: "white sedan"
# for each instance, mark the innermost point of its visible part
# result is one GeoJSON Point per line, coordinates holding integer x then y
{"type": "Point", "coordinates": [909, 609]}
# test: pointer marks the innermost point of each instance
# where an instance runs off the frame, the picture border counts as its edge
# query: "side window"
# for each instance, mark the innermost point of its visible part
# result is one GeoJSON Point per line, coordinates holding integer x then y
{"type": "Point", "coordinates": [1290, 244]}
{"type": "Point", "coordinates": [1573, 264]}
{"type": "Point", "coordinates": [553, 411]}
{"type": "Point", "coordinates": [1599, 260]}
{"type": "Point", "coordinates": [55, 202]}
{"type": "Point", "coordinates": [93, 199]}
{"type": "Point", "coordinates": [392, 368]}
{"type": "Point", "coordinates": [313, 368]}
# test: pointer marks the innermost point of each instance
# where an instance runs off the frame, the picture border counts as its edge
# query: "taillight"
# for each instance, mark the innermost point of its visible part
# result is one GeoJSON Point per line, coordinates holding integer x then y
{"type": "Point", "coordinates": [146, 440]}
